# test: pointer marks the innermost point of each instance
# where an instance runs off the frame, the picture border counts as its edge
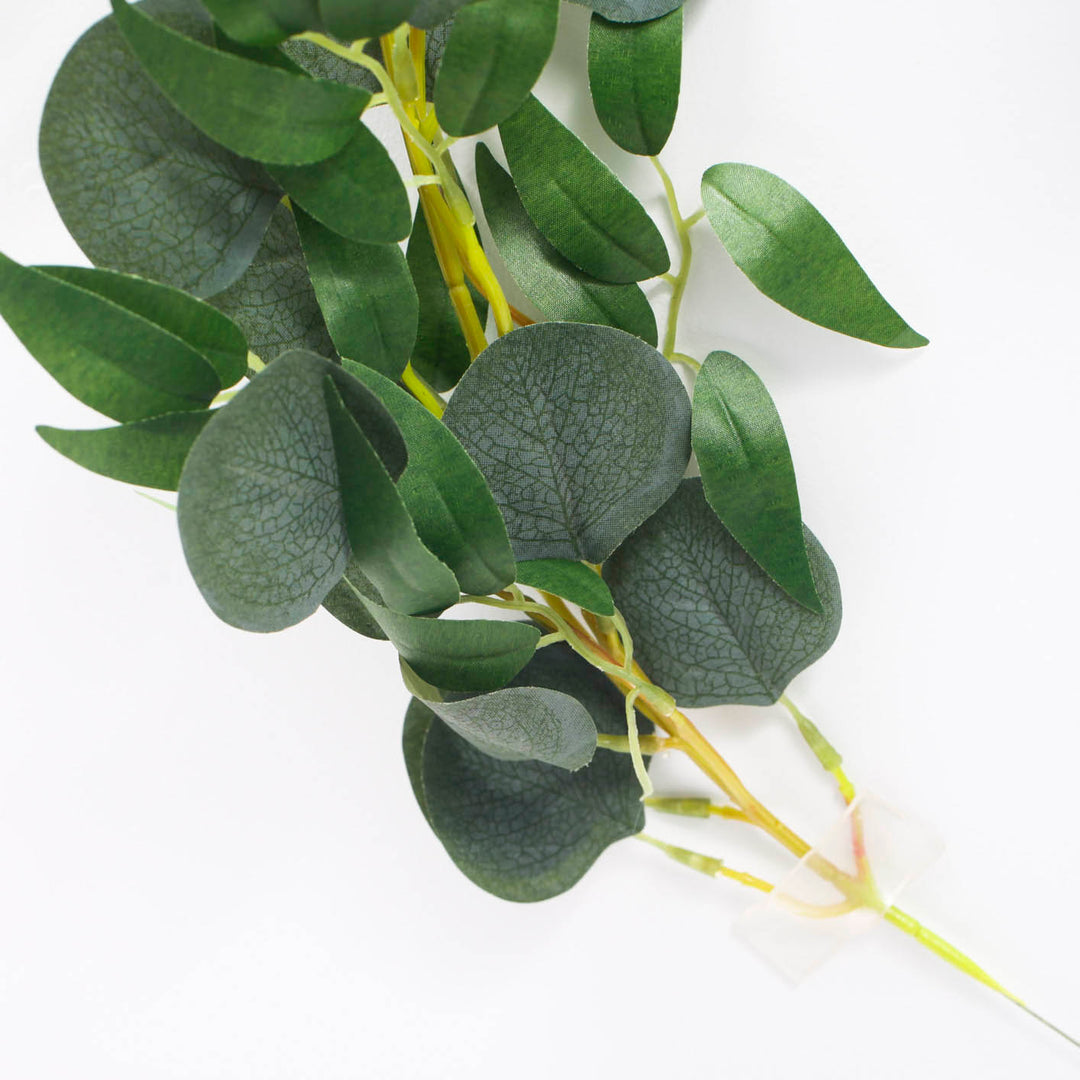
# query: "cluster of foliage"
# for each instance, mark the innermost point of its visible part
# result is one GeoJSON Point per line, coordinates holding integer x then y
{"type": "Point", "coordinates": [212, 161]}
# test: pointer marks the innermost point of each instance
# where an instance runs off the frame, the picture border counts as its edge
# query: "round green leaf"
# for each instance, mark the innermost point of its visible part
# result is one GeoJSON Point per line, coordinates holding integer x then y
{"type": "Point", "coordinates": [708, 624]}
{"type": "Point", "coordinates": [794, 256]}
{"type": "Point", "coordinates": [581, 432]}
{"type": "Point", "coordinates": [496, 52]}
{"type": "Point", "coordinates": [138, 186]}
{"type": "Point", "coordinates": [557, 287]}
{"type": "Point", "coordinates": [573, 581]}
{"type": "Point", "coordinates": [747, 473]}
{"type": "Point", "coordinates": [577, 202]}
{"type": "Point", "coordinates": [630, 11]}
{"type": "Point", "coordinates": [634, 75]}
{"type": "Point", "coordinates": [253, 109]}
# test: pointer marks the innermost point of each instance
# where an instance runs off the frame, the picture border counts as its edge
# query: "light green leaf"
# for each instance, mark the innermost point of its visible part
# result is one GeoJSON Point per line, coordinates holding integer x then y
{"type": "Point", "coordinates": [630, 11]}
{"type": "Point", "coordinates": [524, 830]}
{"type": "Point", "coordinates": [366, 295]}
{"type": "Point", "coordinates": [343, 603]}
{"type": "Point", "coordinates": [440, 356]}
{"type": "Point", "coordinates": [137, 185]}
{"type": "Point", "coordinates": [794, 256]}
{"type": "Point", "coordinates": [708, 623]}
{"type": "Point", "coordinates": [557, 287]}
{"type": "Point", "coordinates": [462, 655]}
{"type": "Point", "coordinates": [110, 358]}
{"type": "Point", "coordinates": [253, 109]}
{"type": "Point", "coordinates": [634, 75]}
{"type": "Point", "coordinates": [274, 302]}
{"type": "Point", "coordinates": [577, 202]}
{"type": "Point", "coordinates": [382, 538]}
{"type": "Point", "coordinates": [358, 192]}
{"type": "Point", "coordinates": [352, 19]}
{"type": "Point", "coordinates": [260, 508]}
{"type": "Point", "coordinates": [496, 52]}
{"type": "Point", "coordinates": [748, 476]}
{"type": "Point", "coordinates": [212, 335]}
{"type": "Point", "coordinates": [264, 22]}
{"type": "Point", "coordinates": [150, 453]}
{"type": "Point", "coordinates": [448, 498]}
{"type": "Point", "coordinates": [573, 581]}
{"type": "Point", "coordinates": [581, 432]}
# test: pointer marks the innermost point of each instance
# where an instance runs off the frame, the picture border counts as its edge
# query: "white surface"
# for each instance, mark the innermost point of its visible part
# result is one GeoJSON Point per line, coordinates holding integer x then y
{"type": "Point", "coordinates": [213, 867]}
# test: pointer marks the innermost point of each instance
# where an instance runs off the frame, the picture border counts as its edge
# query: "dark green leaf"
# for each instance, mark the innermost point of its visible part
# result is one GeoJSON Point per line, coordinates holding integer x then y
{"type": "Point", "coordinates": [634, 75]}
{"type": "Point", "coordinates": [496, 52]}
{"type": "Point", "coordinates": [581, 432]}
{"type": "Point", "coordinates": [110, 358]}
{"type": "Point", "coordinates": [150, 453]}
{"type": "Point", "coordinates": [448, 498]}
{"type": "Point", "coordinates": [748, 476]}
{"type": "Point", "coordinates": [708, 624]}
{"type": "Point", "coordinates": [630, 11]}
{"type": "Point", "coordinates": [382, 538]}
{"type": "Point", "coordinates": [274, 303]}
{"type": "Point", "coordinates": [794, 256]}
{"type": "Point", "coordinates": [343, 603]}
{"type": "Point", "coordinates": [212, 335]}
{"type": "Point", "coordinates": [253, 109]}
{"type": "Point", "coordinates": [260, 510]}
{"type": "Point", "coordinates": [263, 22]}
{"type": "Point", "coordinates": [366, 294]}
{"type": "Point", "coordinates": [323, 64]}
{"type": "Point", "coordinates": [577, 202]}
{"type": "Point", "coordinates": [352, 19]}
{"type": "Point", "coordinates": [525, 830]}
{"type": "Point", "coordinates": [137, 185]}
{"type": "Point", "coordinates": [462, 655]}
{"type": "Point", "coordinates": [431, 13]}
{"type": "Point", "coordinates": [357, 192]}
{"type": "Point", "coordinates": [557, 287]}
{"type": "Point", "coordinates": [573, 581]}
{"type": "Point", "coordinates": [441, 356]}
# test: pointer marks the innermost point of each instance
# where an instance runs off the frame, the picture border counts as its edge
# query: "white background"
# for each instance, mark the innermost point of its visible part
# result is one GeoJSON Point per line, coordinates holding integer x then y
{"type": "Point", "coordinates": [212, 866]}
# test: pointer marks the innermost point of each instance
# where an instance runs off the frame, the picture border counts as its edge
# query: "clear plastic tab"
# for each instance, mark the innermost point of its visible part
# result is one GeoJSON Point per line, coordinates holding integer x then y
{"type": "Point", "coordinates": [806, 919]}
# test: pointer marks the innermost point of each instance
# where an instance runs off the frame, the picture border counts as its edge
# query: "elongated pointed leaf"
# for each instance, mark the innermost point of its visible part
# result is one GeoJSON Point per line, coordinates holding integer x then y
{"type": "Point", "coordinates": [496, 52]}
{"type": "Point", "coordinates": [264, 22]}
{"type": "Point", "coordinates": [708, 624]}
{"type": "Point", "coordinates": [748, 476]}
{"type": "Point", "coordinates": [352, 19]}
{"type": "Point", "coordinates": [446, 494]}
{"type": "Point", "coordinates": [110, 358]}
{"type": "Point", "coordinates": [366, 295]}
{"type": "Point", "coordinates": [211, 334]}
{"type": "Point", "coordinates": [138, 186]}
{"type": "Point", "coordinates": [630, 11]}
{"type": "Point", "coordinates": [461, 655]}
{"type": "Point", "coordinates": [357, 192]}
{"type": "Point", "coordinates": [554, 284]}
{"type": "Point", "coordinates": [794, 256]}
{"type": "Point", "coordinates": [255, 110]}
{"type": "Point", "coordinates": [260, 509]}
{"type": "Point", "coordinates": [274, 302]}
{"type": "Point", "coordinates": [345, 605]}
{"type": "Point", "coordinates": [382, 538]}
{"type": "Point", "coordinates": [577, 202]}
{"type": "Point", "coordinates": [573, 581]}
{"type": "Point", "coordinates": [634, 75]}
{"type": "Point", "coordinates": [150, 453]}
{"type": "Point", "coordinates": [524, 830]}
{"type": "Point", "coordinates": [428, 14]}
{"type": "Point", "coordinates": [581, 432]}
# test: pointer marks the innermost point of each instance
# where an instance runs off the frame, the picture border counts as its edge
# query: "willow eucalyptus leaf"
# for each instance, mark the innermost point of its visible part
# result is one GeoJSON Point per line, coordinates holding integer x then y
{"type": "Point", "coordinates": [111, 358]}
{"type": "Point", "coordinates": [150, 453]}
{"type": "Point", "coordinates": [747, 473]}
{"type": "Point", "coordinates": [795, 257]}
{"type": "Point", "coordinates": [577, 202]}
{"type": "Point", "coordinates": [253, 109]}
{"type": "Point", "coordinates": [264, 22]}
{"type": "Point", "coordinates": [524, 830]}
{"type": "Point", "coordinates": [581, 432]}
{"type": "Point", "coordinates": [630, 11]}
{"type": "Point", "coordinates": [496, 52]}
{"type": "Point", "coordinates": [573, 581]}
{"type": "Point", "coordinates": [138, 186]}
{"type": "Point", "coordinates": [352, 19]}
{"type": "Point", "coordinates": [446, 494]}
{"type": "Point", "coordinates": [557, 287]}
{"type": "Point", "coordinates": [260, 509]}
{"type": "Point", "coordinates": [634, 75]}
{"type": "Point", "coordinates": [429, 14]}
{"type": "Point", "coordinates": [366, 295]}
{"type": "Point", "coordinates": [708, 623]}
